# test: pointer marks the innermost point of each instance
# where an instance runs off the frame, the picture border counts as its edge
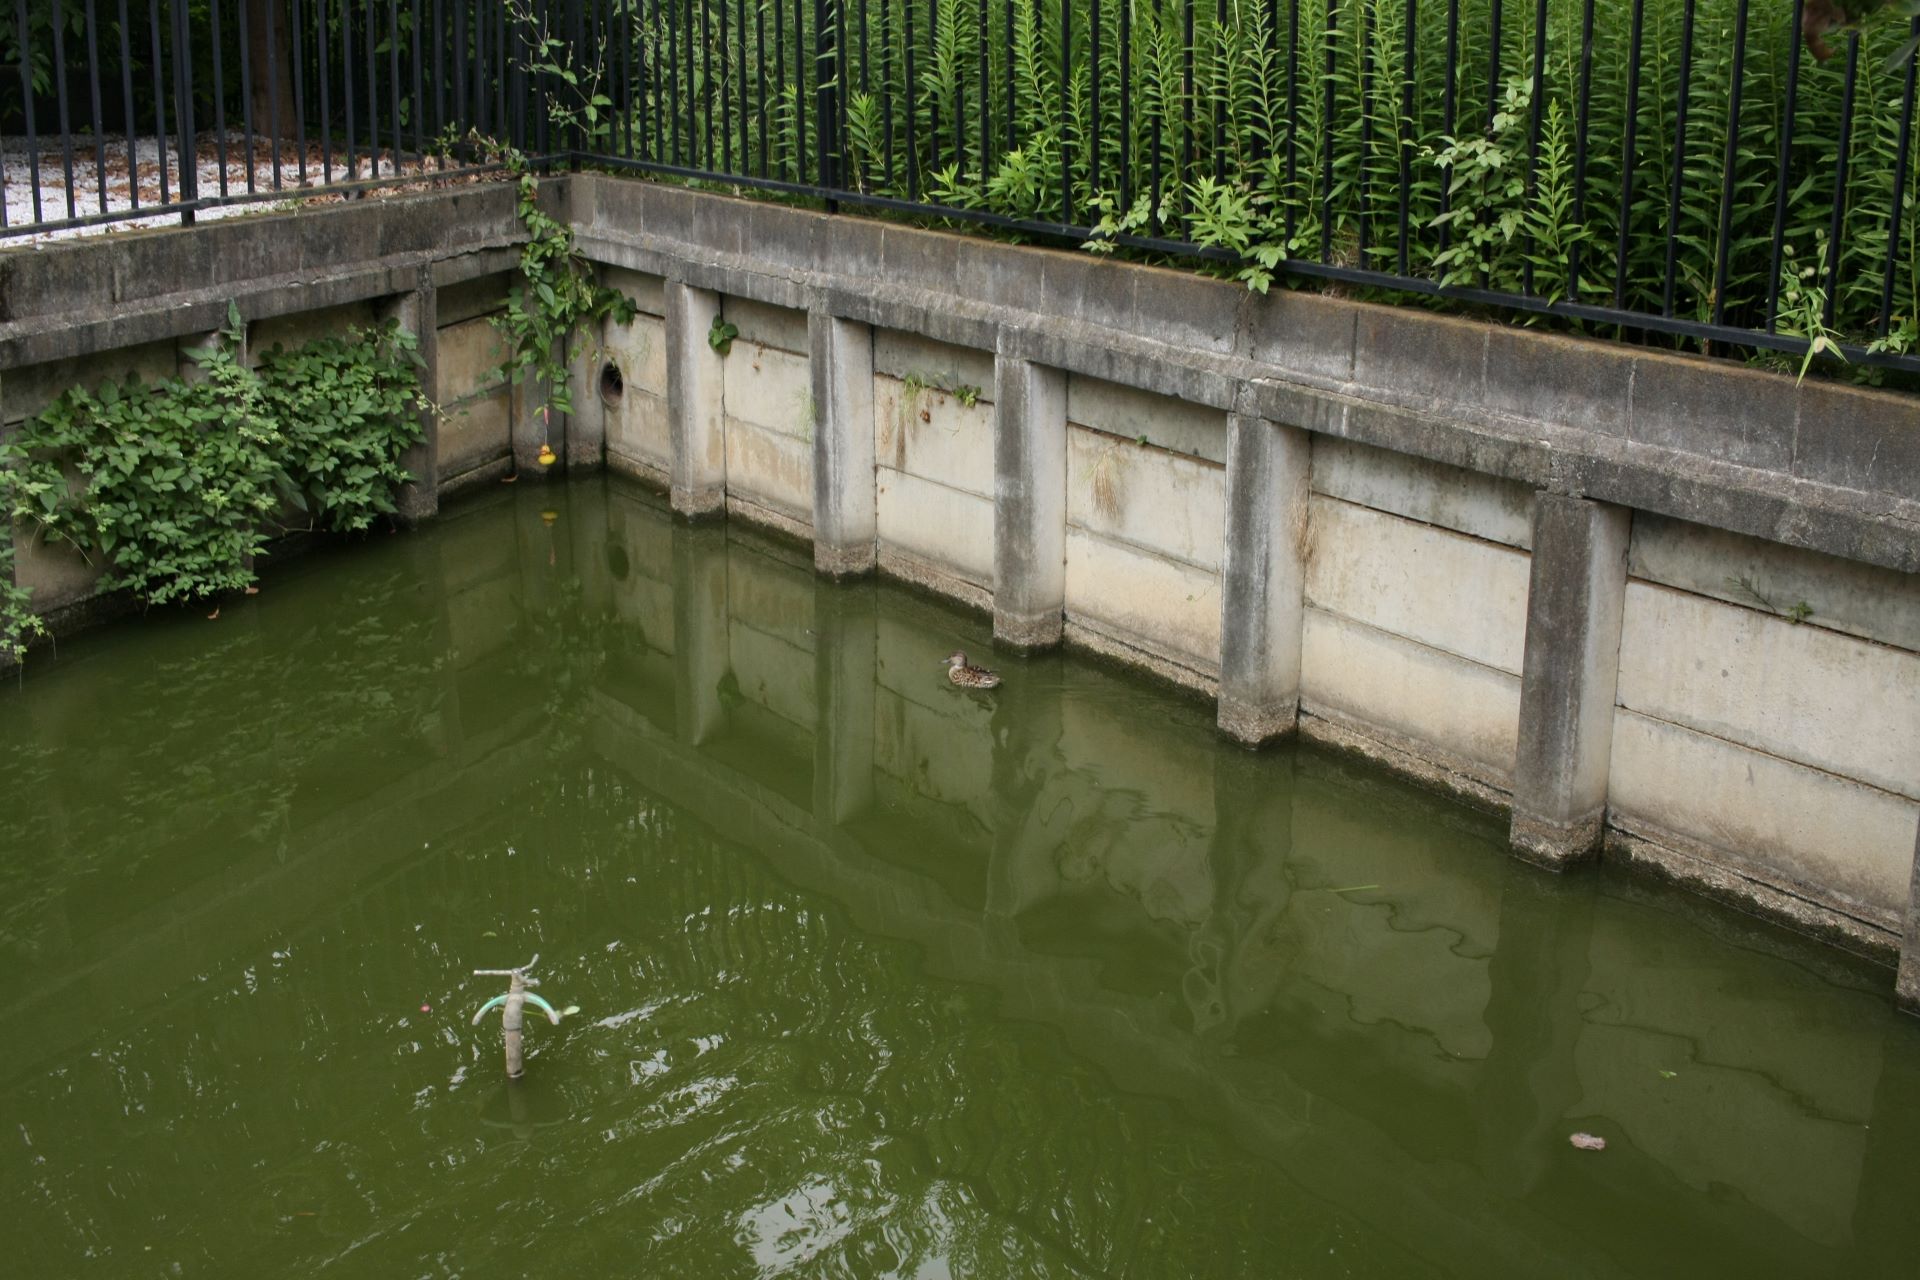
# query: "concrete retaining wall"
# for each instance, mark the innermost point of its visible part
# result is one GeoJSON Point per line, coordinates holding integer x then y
{"type": "Point", "coordinates": [1558, 577]}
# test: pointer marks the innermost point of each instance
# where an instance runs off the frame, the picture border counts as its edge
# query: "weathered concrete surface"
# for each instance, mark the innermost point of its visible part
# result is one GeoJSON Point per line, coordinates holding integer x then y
{"type": "Point", "coordinates": [1460, 713]}
{"type": "Point", "coordinates": [1159, 501]}
{"type": "Point", "coordinates": [947, 533]}
{"type": "Point", "coordinates": [1841, 595]}
{"type": "Point", "coordinates": [1454, 593]}
{"type": "Point", "coordinates": [695, 404]}
{"type": "Point", "coordinates": [1576, 598]}
{"type": "Point", "coordinates": [1163, 608]}
{"type": "Point", "coordinates": [845, 519]}
{"type": "Point", "coordinates": [1800, 692]}
{"type": "Point", "coordinates": [1825, 839]}
{"type": "Point", "coordinates": [930, 433]}
{"type": "Point", "coordinates": [1431, 492]}
{"type": "Point", "coordinates": [1263, 579]}
{"type": "Point", "coordinates": [637, 433]}
{"type": "Point", "coordinates": [1030, 511]}
{"type": "Point", "coordinates": [98, 294]}
{"type": "Point", "coordinates": [1167, 421]}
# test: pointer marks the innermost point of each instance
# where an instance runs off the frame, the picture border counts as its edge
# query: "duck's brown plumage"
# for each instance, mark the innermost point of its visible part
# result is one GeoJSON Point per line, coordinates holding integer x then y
{"type": "Point", "coordinates": [965, 675]}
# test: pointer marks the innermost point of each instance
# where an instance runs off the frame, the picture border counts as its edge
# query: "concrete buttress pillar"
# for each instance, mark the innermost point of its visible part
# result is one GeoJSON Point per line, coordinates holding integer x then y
{"type": "Point", "coordinates": [1030, 502]}
{"type": "Point", "coordinates": [1906, 991]}
{"type": "Point", "coordinates": [844, 521]}
{"type": "Point", "coordinates": [418, 314]}
{"type": "Point", "coordinates": [696, 431]}
{"type": "Point", "coordinates": [1575, 599]}
{"type": "Point", "coordinates": [1263, 578]}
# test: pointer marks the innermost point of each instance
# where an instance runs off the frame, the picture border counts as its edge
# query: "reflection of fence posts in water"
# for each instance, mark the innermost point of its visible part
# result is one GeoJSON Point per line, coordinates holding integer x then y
{"type": "Point", "coordinates": [513, 1010]}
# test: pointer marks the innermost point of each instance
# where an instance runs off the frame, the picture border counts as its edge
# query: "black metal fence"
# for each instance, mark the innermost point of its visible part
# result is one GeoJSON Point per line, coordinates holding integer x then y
{"type": "Point", "coordinates": [1715, 171]}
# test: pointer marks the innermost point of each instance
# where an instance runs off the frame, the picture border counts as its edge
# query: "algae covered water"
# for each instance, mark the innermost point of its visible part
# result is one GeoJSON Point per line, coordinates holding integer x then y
{"type": "Point", "coordinates": [876, 977]}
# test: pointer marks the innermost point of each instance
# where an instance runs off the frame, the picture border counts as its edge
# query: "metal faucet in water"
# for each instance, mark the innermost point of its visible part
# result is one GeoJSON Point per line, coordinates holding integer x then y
{"type": "Point", "coordinates": [512, 1011]}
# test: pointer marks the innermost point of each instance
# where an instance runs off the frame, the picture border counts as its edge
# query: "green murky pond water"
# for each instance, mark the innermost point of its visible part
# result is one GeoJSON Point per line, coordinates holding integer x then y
{"type": "Point", "coordinates": [875, 977]}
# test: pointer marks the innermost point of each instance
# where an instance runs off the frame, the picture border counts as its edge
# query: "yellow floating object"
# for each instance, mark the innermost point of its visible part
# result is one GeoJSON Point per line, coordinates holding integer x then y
{"type": "Point", "coordinates": [547, 456]}
{"type": "Point", "coordinates": [548, 517]}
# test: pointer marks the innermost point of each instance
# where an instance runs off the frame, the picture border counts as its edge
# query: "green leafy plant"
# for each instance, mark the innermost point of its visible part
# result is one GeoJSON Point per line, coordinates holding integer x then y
{"type": "Point", "coordinates": [176, 486]}
{"type": "Point", "coordinates": [18, 623]}
{"type": "Point", "coordinates": [558, 297]}
{"type": "Point", "coordinates": [721, 334]}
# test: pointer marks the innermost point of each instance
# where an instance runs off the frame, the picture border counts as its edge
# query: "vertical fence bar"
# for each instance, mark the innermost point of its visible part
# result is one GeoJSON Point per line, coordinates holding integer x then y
{"type": "Point", "coordinates": [273, 100]}
{"type": "Point", "coordinates": [1094, 132]}
{"type": "Point", "coordinates": [459, 60]}
{"type": "Point", "coordinates": [959, 104]}
{"type": "Point", "coordinates": [760, 71]}
{"type": "Point", "coordinates": [246, 90]}
{"type": "Point", "coordinates": [1630, 150]}
{"type": "Point", "coordinates": [1784, 172]}
{"type": "Point", "coordinates": [59, 22]}
{"type": "Point", "coordinates": [1902, 161]}
{"type": "Point", "coordinates": [843, 70]}
{"type": "Point", "coordinates": [183, 114]}
{"type": "Point", "coordinates": [1186, 110]}
{"type": "Point", "coordinates": [418, 106]}
{"type": "Point", "coordinates": [370, 45]}
{"type": "Point", "coordinates": [126, 94]}
{"type": "Point", "coordinates": [631, 99]}
{"type": "Point", "coordinates": [1365, 53]}
{"type": "Point", "coordinates": [1220, 90]}
{"type": "Point", "coordinates": [158, 68]}
{"type": "Point", "coordinates": [324, 125]}
{"type": "Point", "coordinates": [1536, 117]}
{"type": "Point", "coordinates": [1012, 129]}
{"type": "Point", "coordinates": [1326, 133]}
{"type": "Point", "coordinates": [26, 102]}
{"type": "Point", "coordinates": [1066, 108]}
{"type": "Point", "coordinates": [93, 80]}
{"type": "Point", "coordinates": [706, 78]}
{"type": "Point", "coordinates": [1293, 120]}
{"type": "Point", "coordinates": [673, 79]}
{"type": "Point", "coordinates": [439, 80]}
{"type": "Point", "coordinates": [1682, 97]}
{"type": "Point", "coordinates": [500, 64]}
{"type": "Point", "coordinates": [823, 111]}
{"type": "Point", "coordinates": [1494, 16]}
{"type": "Point", "coordinates": [393, 84]}
{"type": "Point", "coordinates": [780, 67]}
{"type": "Point", "coordinates": [986, 95]}
{"type": "Point", "coordinates": [933, 95]}
{"type": "Point", "coordinates": [1729, 157]}
{"type": "Point", "coordinates": [1582, 121]}
{"type": "Point", "coordinates": [346, 88]}
{"type": "Point", "coordinates": [800, 63]}
{"type": "Point", "coordinates": [913, 150]}
{"type": "Point", "coordinates": [1449, 107]}
{"type": "Point", "coordinates": [1403, 131]}
{"type": "Point", "coordinates": [740, 74]}
{"type": "Point", "coordinates": [219, 91]}
{"type": "Point", "coordinates": [1126, 104]}
{"type": "Point", "coordinates": [1843, 153]}
{"type": "Point", "coordinates": [299, 87]}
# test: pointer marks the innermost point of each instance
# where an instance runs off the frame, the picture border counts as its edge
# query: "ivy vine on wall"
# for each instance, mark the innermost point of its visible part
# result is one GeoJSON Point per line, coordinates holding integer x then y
{"type": "Point", "coordinates": [175, 486]}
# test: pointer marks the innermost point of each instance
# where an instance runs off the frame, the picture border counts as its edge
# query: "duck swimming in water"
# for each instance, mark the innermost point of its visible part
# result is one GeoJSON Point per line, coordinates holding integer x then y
{"type": "Point", "coordinates": [965, 675]}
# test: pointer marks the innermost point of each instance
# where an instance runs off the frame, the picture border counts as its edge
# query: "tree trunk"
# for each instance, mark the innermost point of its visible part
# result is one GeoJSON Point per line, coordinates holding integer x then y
{"type": "Point", "coordinates": [269, 42]}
